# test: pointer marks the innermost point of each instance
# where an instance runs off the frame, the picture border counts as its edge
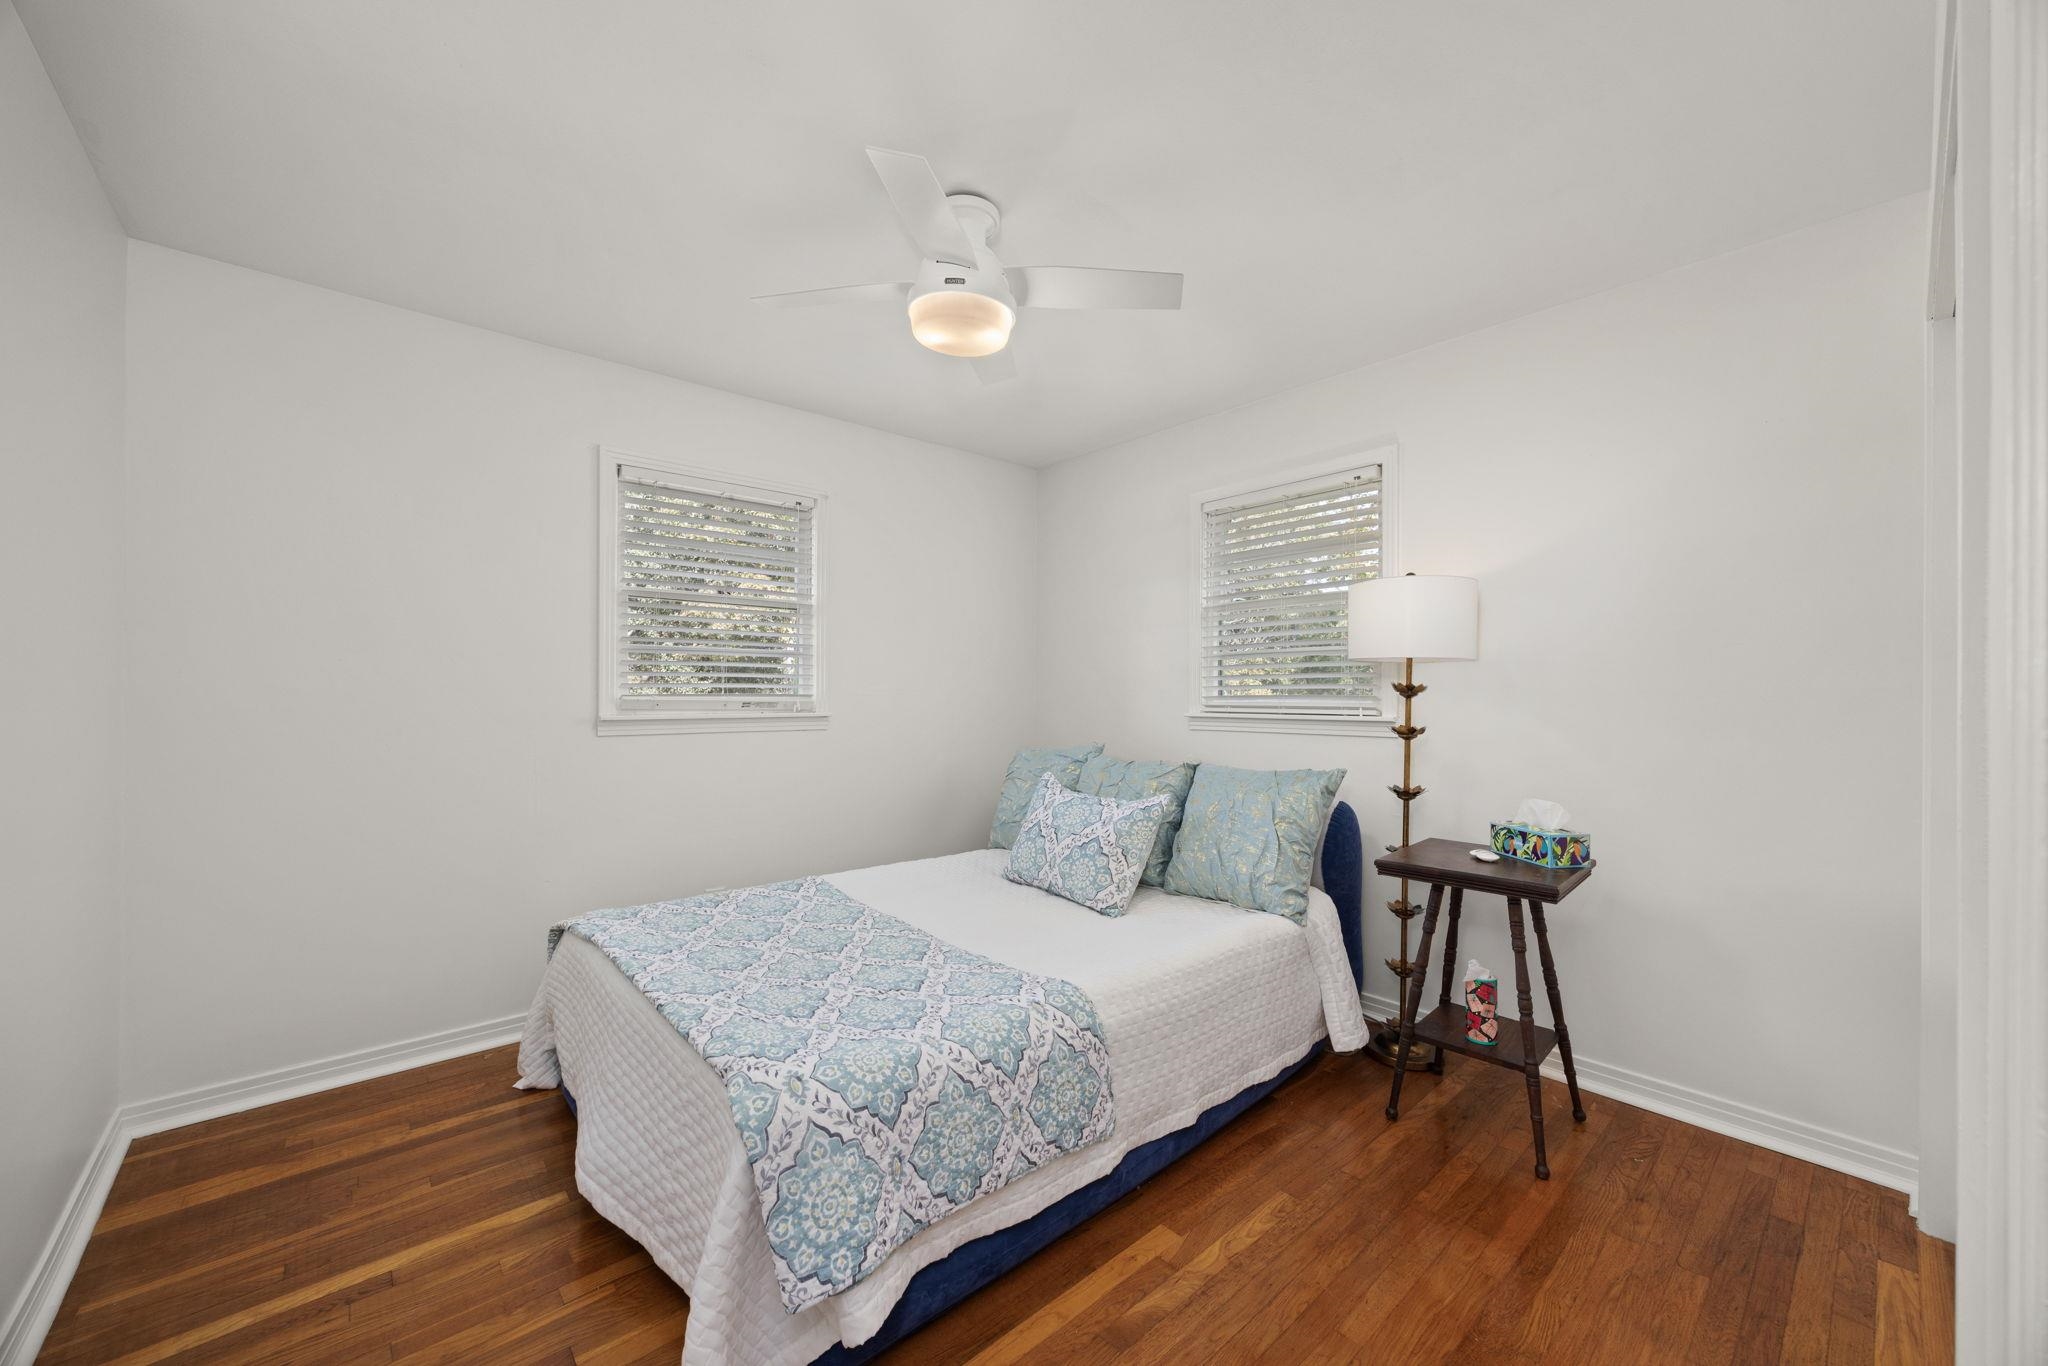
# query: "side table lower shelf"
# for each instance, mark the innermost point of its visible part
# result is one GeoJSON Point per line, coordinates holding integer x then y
{"type": "Point", "coordinates": [1444, 1027]}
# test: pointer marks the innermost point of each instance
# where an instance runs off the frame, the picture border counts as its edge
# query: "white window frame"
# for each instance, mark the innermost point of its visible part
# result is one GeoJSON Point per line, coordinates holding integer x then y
{"type": "Point", "coordinates": [1383, 453]}
{"type": "Point", "coordinates": [615, 719]}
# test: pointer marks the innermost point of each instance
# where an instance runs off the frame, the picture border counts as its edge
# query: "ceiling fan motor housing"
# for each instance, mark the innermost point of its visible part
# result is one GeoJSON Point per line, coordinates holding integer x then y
{"type": "Point", "coordinates": [984, 275]}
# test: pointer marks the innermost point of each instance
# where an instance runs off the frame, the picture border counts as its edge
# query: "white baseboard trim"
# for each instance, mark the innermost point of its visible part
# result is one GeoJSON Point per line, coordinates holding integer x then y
{"type": "Point", "coordinates": [267, 1088]}
{"type": "Point", "coordinates": [21, 1335]}
{"type": "Point", "coordinates": [1780, 1133]}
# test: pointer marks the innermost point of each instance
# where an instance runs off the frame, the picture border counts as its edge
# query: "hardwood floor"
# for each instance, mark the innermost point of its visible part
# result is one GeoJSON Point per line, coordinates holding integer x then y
{"type": "Point", "coordinates": [432, 1216]}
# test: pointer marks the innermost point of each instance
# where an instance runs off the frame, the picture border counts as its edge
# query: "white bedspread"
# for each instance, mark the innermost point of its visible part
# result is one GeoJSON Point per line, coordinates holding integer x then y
{"type": "Point", "coordinates": [1198, 1000]}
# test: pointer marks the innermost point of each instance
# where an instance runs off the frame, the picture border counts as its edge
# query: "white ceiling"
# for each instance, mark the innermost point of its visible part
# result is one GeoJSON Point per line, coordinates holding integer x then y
{"type": "Point", "coordinates": [1340, 181]}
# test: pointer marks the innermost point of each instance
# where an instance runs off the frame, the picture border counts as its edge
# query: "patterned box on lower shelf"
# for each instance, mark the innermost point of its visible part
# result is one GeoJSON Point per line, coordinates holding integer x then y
{"type": "Point", "coordinates": [1544, 848]}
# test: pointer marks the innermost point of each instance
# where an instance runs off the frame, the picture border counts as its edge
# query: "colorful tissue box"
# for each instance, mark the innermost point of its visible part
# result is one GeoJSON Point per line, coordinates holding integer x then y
{"type": "Point", "coordinates": [1544, 848]}
{"type": "Point", "coordinates": [1482, 1001]}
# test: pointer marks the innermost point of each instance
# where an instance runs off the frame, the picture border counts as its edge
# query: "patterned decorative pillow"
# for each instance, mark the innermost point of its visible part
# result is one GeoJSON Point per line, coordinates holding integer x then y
{"type": "Point", "coordinates": [1022, 779]}
{"type": "Point", "coordinates": [1134, 779]}
{"type": "Point", "coordinates": [1249, 837]}
{"type": "Point", "coordinates": [1085, 848]}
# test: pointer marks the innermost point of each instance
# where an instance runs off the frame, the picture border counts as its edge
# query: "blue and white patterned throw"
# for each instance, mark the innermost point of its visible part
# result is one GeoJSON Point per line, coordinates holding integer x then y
{"type": "Point", "coordinates": [880, 1078]}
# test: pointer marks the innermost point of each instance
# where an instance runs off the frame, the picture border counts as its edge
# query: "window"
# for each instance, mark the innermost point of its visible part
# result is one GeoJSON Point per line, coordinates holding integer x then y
{"type": "Point", "coordinates": [1273, 628]}
{"type": "Point", "coordinates": [710, 611]}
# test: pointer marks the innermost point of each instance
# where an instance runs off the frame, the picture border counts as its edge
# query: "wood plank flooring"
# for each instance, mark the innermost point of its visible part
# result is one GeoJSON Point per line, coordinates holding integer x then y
{"type": "Point", "coordinates": [432, 1216]}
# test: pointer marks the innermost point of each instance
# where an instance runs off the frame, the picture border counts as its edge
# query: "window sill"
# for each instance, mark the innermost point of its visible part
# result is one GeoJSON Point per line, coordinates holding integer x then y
{"type": "Point", "coordinates": [1362, 728]}
{"type": "Point", "coordinates": [674, 724]}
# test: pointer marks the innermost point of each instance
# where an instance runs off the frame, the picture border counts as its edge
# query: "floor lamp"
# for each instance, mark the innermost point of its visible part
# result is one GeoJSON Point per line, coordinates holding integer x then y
{"type": "Point", "coordinates": [1415, 616]}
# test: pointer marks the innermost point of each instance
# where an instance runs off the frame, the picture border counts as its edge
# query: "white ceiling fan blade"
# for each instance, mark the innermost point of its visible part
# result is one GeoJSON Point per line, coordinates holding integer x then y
{"type": "Point", "coordinates": [892, 292]}
{"type": "Point", "coordinates": [996, 369]}
{"type": "Point", "coordinates": [1087, 287]}
{"type": "Point", "coordinates": [921, 203]}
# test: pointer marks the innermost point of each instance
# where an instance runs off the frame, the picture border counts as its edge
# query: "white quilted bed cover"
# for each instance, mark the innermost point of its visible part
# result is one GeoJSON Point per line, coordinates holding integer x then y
{"type": "Point", "coordinates": [1198, 1000]}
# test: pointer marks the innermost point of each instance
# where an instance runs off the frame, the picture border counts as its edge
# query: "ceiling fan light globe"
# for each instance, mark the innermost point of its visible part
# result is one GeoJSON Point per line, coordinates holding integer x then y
{"type": "Point", "coordinates": [955, 322]}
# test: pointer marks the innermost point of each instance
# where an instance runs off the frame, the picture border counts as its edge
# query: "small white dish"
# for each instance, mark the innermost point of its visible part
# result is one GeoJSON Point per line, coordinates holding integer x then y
{"type": "Point", "coordinates": [1485, 855]}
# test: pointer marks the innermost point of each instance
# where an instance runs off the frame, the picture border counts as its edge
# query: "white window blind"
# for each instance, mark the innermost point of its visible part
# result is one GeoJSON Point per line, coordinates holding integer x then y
{"type": "Point", "coordinates": [716, 597]}
{"type": "Point", "coordinates": [1276, 565]}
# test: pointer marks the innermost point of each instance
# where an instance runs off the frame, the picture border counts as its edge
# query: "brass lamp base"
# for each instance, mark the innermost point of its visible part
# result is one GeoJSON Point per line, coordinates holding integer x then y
{"type": "Point", "coordinates": [1384, 1043]}
{"type": "Point", "coordinates": [1384, 1046]}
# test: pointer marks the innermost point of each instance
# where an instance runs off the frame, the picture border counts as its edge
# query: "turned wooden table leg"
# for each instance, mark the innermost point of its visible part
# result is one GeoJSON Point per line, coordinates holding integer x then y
{"type": "Point", "coordinates": [1530, 1062]}
{"type": "Point", "coordinates": [1436, 897]}
{"type": "Point", "coordinates": [1564, 1038]}
{"type": "Point", "coordinates": [1443, 992]}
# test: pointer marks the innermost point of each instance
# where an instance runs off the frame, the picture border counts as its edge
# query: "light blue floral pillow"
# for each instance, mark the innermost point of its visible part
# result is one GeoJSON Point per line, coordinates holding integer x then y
{"type": "Point", "coordinates": [1249, 837]}
{"type": "Point", "coordinates": [1022, 778]}
{"type": "Point", "coordinates": [1133, 779]}
{"type": "Point", "coordinates": [1085, 848]}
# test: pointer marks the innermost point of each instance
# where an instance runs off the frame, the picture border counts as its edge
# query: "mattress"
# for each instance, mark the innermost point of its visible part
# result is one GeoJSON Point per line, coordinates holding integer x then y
{"type": "Point", "coordinates": [1198, 1000]}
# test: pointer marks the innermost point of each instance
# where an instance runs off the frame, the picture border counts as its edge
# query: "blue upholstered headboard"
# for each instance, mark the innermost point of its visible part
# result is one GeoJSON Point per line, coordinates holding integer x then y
{"type": "Point", "coordinates": [1344, 880]}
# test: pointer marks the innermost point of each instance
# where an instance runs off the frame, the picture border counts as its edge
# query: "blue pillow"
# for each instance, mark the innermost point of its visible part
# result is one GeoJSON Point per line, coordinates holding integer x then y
{"type": "Point", "coordinates": [1063, 763]}
{"type": "Point", "coordinates": [1134, 780]}
{"type": "Point", "coordinates": [1085, 848]}
{"type": "Point", "coordinates": [1249, 837]}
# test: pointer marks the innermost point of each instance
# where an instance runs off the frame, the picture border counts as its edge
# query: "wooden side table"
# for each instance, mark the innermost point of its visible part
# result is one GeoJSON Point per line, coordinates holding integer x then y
{"type": "Point", "coordinates": [1523, 1044]}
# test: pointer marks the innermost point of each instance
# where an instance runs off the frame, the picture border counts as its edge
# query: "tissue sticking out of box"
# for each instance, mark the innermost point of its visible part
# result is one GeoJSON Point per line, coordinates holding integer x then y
{"type": "Point", "coordinates": [1474, 972]}
{"type": "Point", "coordinates": [1542, 814]}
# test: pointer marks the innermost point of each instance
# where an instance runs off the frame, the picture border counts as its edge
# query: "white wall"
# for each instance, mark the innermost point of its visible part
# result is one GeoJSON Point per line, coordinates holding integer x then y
{"type": "Point", "coordinates": [1693, 507]}
{"type": "Point", "coordinates": [62, 255]}
{"type": "Point", "coordinates": [362, 778]}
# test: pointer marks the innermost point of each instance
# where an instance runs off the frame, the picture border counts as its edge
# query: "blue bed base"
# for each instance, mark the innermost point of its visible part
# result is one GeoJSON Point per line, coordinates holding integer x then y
{"type": "Point", "coordinates": [971, 1266]}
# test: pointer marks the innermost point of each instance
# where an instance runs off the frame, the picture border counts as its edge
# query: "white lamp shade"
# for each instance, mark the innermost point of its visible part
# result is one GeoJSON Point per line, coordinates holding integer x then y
{"type": "Point", "coordinates": [1416, 616]}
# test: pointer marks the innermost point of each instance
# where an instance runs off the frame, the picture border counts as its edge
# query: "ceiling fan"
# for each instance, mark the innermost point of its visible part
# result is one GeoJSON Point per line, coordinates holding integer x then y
{"type": "Point", "coordinates": [964, 301]}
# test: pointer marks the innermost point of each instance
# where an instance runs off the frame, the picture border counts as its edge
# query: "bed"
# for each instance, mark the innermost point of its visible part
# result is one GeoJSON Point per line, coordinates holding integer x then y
{"type": "Point", "coordinates": [1205, 1009]}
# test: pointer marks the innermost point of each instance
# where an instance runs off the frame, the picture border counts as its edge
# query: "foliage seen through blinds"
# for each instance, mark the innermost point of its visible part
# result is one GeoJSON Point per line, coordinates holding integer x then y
{"type": "Point", "coordinates": [1276, 567]}
{"type": "Point", "coordinates": [717, 597]}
